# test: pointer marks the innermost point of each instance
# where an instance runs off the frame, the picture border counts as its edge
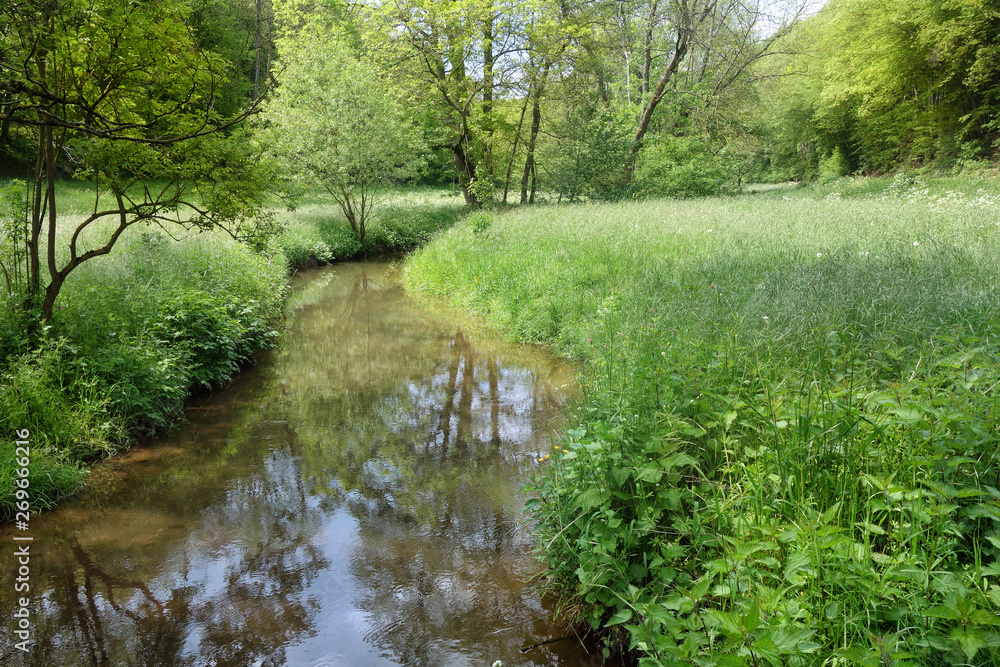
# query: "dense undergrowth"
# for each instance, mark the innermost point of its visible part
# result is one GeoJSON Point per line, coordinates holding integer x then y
{"type": "Point", "coordinates": [131, 338]}
{"type": "Point", "coordinates": [136, 332]}
{"type": "Point", "coordinates": [786, 448]}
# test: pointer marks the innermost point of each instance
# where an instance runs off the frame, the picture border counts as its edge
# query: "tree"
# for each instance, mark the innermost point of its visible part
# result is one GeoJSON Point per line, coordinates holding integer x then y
{"type": "Point", "coordinates": [332, 123]}
{"type": "Point", "coordinates": [460, 56]}
{"type": "Point", "coordinates": [120, 95]}
{"type": "Point", "coordinates": [727, 36]}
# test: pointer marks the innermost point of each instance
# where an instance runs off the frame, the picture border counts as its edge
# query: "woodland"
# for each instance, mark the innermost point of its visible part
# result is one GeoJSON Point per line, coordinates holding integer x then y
{"type": "Point", "coordinates": [765, 228]}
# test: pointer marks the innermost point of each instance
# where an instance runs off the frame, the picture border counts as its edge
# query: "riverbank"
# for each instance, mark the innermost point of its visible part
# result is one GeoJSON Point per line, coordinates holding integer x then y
{"type": "Point", "coordinates": [353, 499]}
{"type": "Point", "coordinates": [135, 333]}
{"type": "Point", "coordinates": [786, 449]}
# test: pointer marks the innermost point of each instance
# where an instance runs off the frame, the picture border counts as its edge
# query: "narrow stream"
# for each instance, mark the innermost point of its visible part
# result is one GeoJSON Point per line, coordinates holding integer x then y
{"type": "Point", "coordinates": [354, 500]}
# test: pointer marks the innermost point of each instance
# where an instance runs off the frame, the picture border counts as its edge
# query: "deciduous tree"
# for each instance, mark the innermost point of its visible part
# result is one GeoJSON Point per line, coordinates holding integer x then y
{"type": "Point", "coordinates": [334, 124]}
{"type": "Point", "coordinates": [119, 94]}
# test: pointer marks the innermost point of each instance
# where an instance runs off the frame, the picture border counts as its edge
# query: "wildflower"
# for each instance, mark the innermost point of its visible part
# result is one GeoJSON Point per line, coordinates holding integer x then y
{"type": "Point", "coordinates": [819, 254]}
{"type": "Point", "coordinates": [916, 243]}
{"type": "Point", "coordinates": [766, 318]}
{"type": "Point", "coordinates": [712, 285]}
{"type": "Point", "coordinates": [709, 231]}
{"type": "Point", "coordinates": [546, 456]}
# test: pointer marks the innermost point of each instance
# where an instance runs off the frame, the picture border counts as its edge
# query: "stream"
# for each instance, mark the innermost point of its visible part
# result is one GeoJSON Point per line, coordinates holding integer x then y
{"type": "Point", "coordinates": [353, 500]}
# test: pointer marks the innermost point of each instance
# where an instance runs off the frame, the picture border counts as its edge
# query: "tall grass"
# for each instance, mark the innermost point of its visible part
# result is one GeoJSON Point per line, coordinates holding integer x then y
{"type": "Point", "coordinates": [786, 451]}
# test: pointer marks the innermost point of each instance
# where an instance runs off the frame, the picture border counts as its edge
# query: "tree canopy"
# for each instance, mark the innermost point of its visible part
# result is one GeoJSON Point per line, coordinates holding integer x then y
{"type": "Point", "coordinates": [121, 95]}
{"type": "Point", "coordinates": [889, 85]}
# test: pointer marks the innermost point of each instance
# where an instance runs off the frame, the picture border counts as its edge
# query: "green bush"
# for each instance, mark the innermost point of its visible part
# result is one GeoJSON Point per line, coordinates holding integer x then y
{"type": "Point", "coordinates": [144, 381]}
{"type": "Point", "coordinates": [682, 167]}
{"type": "Point", "coordinates": [591, 161]}
{"type": "Point", "coordinates": [835, 166]}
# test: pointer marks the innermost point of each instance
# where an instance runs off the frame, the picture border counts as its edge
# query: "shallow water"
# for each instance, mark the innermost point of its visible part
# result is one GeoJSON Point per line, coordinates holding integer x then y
{"type": "Point", "coordinates": [353, 500]}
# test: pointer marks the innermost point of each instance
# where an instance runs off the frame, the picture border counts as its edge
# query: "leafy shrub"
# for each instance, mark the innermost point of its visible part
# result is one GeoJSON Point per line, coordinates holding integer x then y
{"type": "Point", "coordinates": [145, 382]}
{"type": "Point", "coordinates": [682, 167]}
{"type": "Point", "coordinates": [835, 166]}
{"type": "Point", "coordinates": [591, 161]}
{"type": "Point", "coordinates": [206, 329]}
{"type": "Point", "coordinates": [480, 222]}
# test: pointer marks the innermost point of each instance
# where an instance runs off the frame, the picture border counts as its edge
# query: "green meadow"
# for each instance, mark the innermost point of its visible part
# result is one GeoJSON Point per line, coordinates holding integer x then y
{"type": "Point", "coordinates": [785, 450]}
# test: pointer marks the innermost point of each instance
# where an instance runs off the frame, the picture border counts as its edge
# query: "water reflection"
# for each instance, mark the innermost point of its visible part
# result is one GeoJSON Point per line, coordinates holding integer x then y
{"type": "Point", "coordinates": [355, 500]}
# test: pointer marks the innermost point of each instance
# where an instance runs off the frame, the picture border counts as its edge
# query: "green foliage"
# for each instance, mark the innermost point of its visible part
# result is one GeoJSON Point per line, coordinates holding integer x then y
{"type": "Point", "coordinates": [49, 479]}
{"type": "Point", "coordinates": [121, 96]}
{"type": "Point", "coordinates": [132, 336]}
{"type": "Point", "coordinates": [316, 233]}
{"type": "Point", "coordinates": [682, 167]}
{"type": "Point", "coordinates": [332, 123]}
{"type": "Point", "coordinates": [43, 393]}
{"type": "Point", "coordinates": [835, 166]}
{"type": "Point", "coordinates": [786, 447]}
{"type": "Point", "coordinates": [898, 84]}
{"type": "Point", "coordinates": [591, 160]}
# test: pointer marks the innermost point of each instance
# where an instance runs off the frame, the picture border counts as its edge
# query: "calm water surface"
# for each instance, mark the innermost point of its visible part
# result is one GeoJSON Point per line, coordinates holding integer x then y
{"type": "Point", "coordinates": [354, 500]}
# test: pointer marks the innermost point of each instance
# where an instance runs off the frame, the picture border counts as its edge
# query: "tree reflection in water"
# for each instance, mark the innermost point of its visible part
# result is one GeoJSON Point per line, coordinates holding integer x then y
{"type": "Point", "coordinates": [354, 501]}
{"type": "Point", "coordinates": [429, 456]}
{"type": "Point", "coordinates": [239, 604]}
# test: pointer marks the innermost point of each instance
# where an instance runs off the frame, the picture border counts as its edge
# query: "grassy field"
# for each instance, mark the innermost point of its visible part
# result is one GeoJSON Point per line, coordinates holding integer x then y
{"type": "Point", "coordinates": [786, 451]}
{"type": "Point", "coordinates": [165, 314]}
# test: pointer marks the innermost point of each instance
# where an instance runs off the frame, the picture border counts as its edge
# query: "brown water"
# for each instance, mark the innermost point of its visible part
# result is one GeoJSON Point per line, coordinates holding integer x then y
{"type": "Point", "coordinates": [354, 501]}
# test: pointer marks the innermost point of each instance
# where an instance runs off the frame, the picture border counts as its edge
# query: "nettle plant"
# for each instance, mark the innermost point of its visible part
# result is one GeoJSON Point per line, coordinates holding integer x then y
{"type": "Point", "coordinates": [850, 509]}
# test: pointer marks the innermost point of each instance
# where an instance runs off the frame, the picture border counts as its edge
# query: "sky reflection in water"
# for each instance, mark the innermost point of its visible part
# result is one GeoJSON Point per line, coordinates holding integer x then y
{"type": "Point", "coordinates": [353, 501]}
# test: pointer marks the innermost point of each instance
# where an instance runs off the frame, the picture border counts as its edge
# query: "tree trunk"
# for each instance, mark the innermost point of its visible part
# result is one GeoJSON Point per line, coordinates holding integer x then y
{"type": "Point", "coordinates": [258, 6]}
{"type": "Point", "coordinates": [49, 301]}
{"type": "Point", "coordinates": [484, 170]}
{"type": "Point", "coordinates": [529, 161]}
{"type": "Point", "coordinates": [513, 150]}
{"type": "Point", "coordinates": [680, 50]}
{"type": "Point", "coordinates": [5, 124]}
{"type": "Point", "coordinates": [466, 171]}
{"type": "Point", "coordinates": [534, 183]}
{"type": "Point", "coordinates": [37, 212]}
{"type": "Point", "coordinates": [647, 49]}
